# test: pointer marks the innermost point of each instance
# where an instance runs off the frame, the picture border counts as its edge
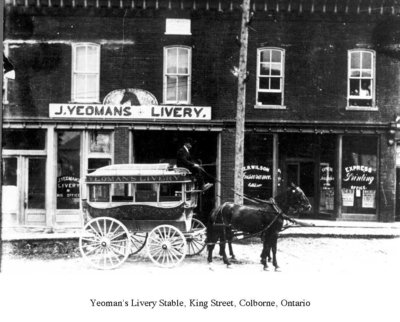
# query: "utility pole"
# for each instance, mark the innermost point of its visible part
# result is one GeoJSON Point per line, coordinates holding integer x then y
{"type": "Point", "coordinates": [241, 103]}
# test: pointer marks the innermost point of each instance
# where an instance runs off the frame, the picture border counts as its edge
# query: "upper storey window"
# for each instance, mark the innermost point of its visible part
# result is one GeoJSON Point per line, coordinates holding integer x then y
{"type": "Point", "coordinates": [177, 75]}
{"type": "Point", "coordinates": [270, 76]}
{"type": "Point", "coordinates": [361, 83]}
{"type": "Point", "coordinates": [85, 72]}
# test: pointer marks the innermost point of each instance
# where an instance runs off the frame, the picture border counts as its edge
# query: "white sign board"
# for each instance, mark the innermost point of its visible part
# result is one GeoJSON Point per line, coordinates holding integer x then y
{"type": "Point", "coordinates": [177, 27]}
{"type": "Point", "coordinates": [129, 112]}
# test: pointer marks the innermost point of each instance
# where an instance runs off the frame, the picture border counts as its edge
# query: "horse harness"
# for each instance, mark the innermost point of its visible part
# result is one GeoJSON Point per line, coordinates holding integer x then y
{"type": "Point", "coordinates": [271, 201]}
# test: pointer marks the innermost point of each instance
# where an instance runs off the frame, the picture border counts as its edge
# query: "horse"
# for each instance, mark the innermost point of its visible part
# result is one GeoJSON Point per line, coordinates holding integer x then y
{"type": "Point", "coordinates": [266, 219]}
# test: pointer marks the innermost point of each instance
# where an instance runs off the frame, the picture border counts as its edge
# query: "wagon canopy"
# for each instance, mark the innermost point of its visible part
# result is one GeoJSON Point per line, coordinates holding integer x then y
{"type": "Point", "coordinates": [139, 173]}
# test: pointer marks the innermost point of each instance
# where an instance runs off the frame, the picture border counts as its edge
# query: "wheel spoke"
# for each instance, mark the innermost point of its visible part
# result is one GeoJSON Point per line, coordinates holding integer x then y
{"type": "Point", "coordinates": [109, 229]}
{"type": "Point", "coordinates": [118, 235]}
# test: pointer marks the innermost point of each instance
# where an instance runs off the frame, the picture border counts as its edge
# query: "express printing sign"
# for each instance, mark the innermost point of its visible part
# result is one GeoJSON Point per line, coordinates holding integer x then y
{"type": "Point", "coordinates": [129, 112]}
{"type": "Point", "coordinates": [359, 177]}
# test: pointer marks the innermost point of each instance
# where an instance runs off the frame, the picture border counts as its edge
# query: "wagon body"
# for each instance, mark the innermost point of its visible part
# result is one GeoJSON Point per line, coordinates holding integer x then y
{"type": "Point", "coordinates": [134, 201]}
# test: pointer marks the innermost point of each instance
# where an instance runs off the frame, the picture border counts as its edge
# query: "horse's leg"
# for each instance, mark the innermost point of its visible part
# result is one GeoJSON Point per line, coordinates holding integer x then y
{"type": "Point", "coordinates": [274, 244]}
{"type": "Point", "coordinates": [264, 253]}
{"type": "Point", "coordinates": [229, 239]}
{"type": "Point", "coordinates": [223, 243]}
{"type": "Point", "coordinates": [210, 248]}
{"type": "Point", "coordinates": [211, 240]}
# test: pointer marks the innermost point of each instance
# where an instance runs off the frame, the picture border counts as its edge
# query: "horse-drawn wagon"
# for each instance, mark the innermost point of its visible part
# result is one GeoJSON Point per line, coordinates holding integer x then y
{"type": "Point", "coordinates": [131, 206]}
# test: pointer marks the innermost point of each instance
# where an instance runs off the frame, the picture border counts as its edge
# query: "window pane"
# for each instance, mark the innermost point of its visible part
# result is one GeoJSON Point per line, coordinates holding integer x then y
{"type": "Point", "coordinates": [275, 83]}
{"type": "Point", "coordinates": [171, 88]}
{"type": "Point", "coordinates": [355, 73]}
{"type": "Point", "coordinates": [94, 164]}
{"type": "Point", "coordinates": [367, 60]}
{"type": "Point", "coordinates": [359, 174]}
{"type": "Point", "coordinates": [269, 98]}
{"type": "Point", "coordinates": [172, 60]}
{"type": "Point", "coordinates": [265, 69]}
{"type": "Point", "coordinates": [276, 56]}
{"type": "Point", "coordinates": [355, 87]}
{"type": "Point", "coordinates": [80, 58]}
{"type": "Point", "coordinates": [9, 177]}
{"type": "Point", "coordinates": [276, 69]}
{"type": "Point", "coordinates": [37, 184]}
{"type": "Point", "coordinates": [366, 73]}
{"type": "Point", "coordinates": [99, 193]}
{"type": "Point", "coordinates": [100, 142]}
{"type": "Point", "coordinates": [183, 61]}
{"type": "Point", "coordinates": [365, 88]}
{"type": "Point", "coordinates": [355, 60]}
{"type": "Point", "coordinates": [80, 86]}
{"type": "Point", "coordinates": [182, 88]}
{"type": "Point", "coordinates": [170, 191]}
{"type": "Point", "coordinates": [68, 168]}
{"type": "Point", "coordinates": [10, 195]}
{"type": "Point", "coordinates": [24, 139]}
{"type": "Point", "coordinates": [91, 87]}
{"type": "Point", "coordinates": [264, 83]}
{"type": "Point", "coordinates": [92, 59]}
{"type": "Point", "coordinates": [265, 56]}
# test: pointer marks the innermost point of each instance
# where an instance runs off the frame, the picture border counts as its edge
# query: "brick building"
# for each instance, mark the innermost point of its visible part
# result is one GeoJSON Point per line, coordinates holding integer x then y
{"type": "Point", "coordinates": [118, 81]}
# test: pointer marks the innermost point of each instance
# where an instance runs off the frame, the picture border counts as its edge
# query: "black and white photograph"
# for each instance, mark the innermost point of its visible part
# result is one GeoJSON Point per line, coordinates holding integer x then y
{"type": "Point", "coordinates": [200, 160]}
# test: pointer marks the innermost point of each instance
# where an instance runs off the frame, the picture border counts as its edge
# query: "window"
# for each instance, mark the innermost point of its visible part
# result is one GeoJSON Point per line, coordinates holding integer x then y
{"type": "Point", "coordinates": [100, 153]}
{"type": "Point", "coordinates": [361, 84]}
{"type": "Point", "coordinates": [359, 174]}
{"type": "Point", "coordinates": [68, 169]}
{"type": "Point", "coordinates": [177, 75]}
{"type": "Point", "coordinates": [29, 139]}
{"type": "Point", "coordinates": [85, 72]}
{"type": "Point", "coordinates": [270, 72]}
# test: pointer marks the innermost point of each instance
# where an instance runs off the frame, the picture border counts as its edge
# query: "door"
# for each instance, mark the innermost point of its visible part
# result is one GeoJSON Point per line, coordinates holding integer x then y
{"type": "Point", "coordinates": [301, 173]}
{"type": "Point", "coordinates": [23, 188]}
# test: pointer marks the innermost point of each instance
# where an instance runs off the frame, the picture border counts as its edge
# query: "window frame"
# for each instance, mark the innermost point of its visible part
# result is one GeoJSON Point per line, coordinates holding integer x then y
{"type": "Point", "coordinates": [189, 75]}
{"type": "Point", "coordinates": [281, 77]}
{"type": "Point", "coordinates": [372, 97]}
{"type": "Point", "coordinates": [99, 155]}
{"type": "Point", "coordinates": [74, 73]}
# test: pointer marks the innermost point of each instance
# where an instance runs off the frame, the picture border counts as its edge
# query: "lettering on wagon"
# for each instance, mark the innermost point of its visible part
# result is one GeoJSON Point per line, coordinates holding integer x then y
{"type": "Point", "coordinates": [134, 178]}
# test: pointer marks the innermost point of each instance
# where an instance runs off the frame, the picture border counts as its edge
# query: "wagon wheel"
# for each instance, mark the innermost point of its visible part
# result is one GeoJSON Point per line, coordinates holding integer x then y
{"type": "Point", "coordinates": [104, 243]}
{"type": "Point", "coordinates": [196, 241]}
{"type": "Point", "coordinates": [166, 246]}
{"type": "Point", "coordinates": [137, 242]}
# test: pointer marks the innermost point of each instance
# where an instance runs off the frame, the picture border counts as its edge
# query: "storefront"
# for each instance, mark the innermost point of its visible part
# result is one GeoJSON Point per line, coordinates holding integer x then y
{"type": "Point", "coordinates": [338, 173]}
{"type": "Point", "coordinates": [43, 163]}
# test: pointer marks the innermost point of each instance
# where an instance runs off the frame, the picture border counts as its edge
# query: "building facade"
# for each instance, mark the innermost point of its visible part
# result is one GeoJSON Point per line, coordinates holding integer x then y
{"type": "Point", "coordinates": [103, 82]}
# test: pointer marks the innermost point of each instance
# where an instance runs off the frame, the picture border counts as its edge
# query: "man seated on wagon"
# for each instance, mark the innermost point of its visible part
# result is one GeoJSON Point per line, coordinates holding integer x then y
{"type": "Point", "coordinates": [184, 160]}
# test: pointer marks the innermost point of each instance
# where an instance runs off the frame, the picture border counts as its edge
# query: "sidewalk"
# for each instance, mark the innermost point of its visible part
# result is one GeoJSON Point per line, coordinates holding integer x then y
{"type": "Point", "coordinates": [314, 228]}
{"type": "Point", "coordinates": [343, 229]}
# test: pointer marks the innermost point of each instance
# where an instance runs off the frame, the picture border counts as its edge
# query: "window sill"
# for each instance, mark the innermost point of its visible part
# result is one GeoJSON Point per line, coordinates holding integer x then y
{"type": "Point", "coordinates": [83, 102]}
{"type": "Point", "coordinates": [270, 107]}
{"type": "Point", "coordinates": [177, 104]}
{"type": "Point", "coordinates": [362, 108]}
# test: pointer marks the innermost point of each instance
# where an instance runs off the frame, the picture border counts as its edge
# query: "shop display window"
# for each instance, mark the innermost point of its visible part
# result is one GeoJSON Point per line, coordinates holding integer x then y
{"type": "Point", "coordinates": [68, 169]}
{"type": "Point", "coordinates": [257, 172]}
{"type": "Point", "coordinates": [28, 139]}
{"type": "Point", "coordinates": [359, 175]}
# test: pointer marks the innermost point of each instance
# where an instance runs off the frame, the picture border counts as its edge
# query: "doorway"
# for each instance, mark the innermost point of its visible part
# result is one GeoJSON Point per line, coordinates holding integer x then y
{"type": "Point", "coordinates": [162, 146]}
{"type": "Point", "coordinates": [23, 191]}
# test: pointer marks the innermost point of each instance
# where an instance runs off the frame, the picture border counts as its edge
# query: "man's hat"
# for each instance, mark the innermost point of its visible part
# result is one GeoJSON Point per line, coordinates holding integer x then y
{"type": "Point", "coordinates": [189, 140]}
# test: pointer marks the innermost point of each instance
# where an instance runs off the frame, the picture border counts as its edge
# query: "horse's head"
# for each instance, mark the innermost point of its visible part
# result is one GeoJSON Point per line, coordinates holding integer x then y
{"type": "Point", "coordinates": [297, 199]}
